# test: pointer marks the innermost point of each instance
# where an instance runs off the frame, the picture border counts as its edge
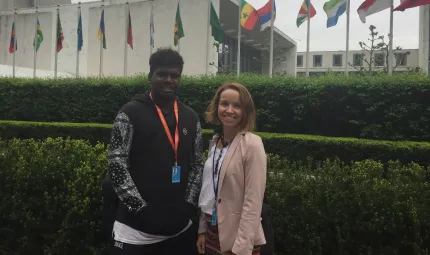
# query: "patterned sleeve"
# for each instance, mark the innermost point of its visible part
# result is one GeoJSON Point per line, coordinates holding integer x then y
{"type": "Point", "coordinates": [196, 169]}
{"type": "Point", "coordinates": [118, 163]}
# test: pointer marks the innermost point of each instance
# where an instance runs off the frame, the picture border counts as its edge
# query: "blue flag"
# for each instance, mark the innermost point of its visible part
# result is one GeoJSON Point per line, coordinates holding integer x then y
{"type": "Point", "coordinates": [80, 38]}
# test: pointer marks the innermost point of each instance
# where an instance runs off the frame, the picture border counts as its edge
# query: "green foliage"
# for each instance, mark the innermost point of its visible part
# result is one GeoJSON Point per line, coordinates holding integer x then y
{"type": "Point", "coordinates": [376, 107]}
{"type": "Point", "coordinates": [350, 209]}
{"type": "Point", "coordinates": [51, 202]}
{"type": "Point", "coordinates": [290, 146]}
{"type": "Point", "coordinates": [50, 196]}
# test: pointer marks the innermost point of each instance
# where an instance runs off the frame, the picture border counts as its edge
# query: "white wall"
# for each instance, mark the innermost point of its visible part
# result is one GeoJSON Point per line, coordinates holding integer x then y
{"type": "Point", "coordinates": [288, 66]}
{"type": "Point", "coordinates": [193, 46]}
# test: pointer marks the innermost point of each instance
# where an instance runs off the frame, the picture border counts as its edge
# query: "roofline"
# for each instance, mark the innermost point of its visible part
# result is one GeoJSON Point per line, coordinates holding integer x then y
{"type": "Point", "coordinates": [277, 30]}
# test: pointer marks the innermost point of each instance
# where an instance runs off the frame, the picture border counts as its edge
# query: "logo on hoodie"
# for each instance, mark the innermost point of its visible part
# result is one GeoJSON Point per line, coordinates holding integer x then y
{"type": "Point", "coordinates": [185, 131]}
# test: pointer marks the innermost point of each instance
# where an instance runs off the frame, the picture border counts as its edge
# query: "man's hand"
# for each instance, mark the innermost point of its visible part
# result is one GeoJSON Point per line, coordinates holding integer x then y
{"type": "Point", "coordinates": [201, 243]}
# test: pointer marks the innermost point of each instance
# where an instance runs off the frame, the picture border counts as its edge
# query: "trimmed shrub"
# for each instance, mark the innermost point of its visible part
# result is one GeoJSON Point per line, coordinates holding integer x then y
{"type": "Point", "coordinates": [376, 107]}
{"type": "Point", "coordinates": [50, 203]}
{"type": "Point", "coordinates": [350, 209]}
{"type": "Point", "coordinates": [50, 199]}
{"type": "Point", "coordinates": [291, 146]}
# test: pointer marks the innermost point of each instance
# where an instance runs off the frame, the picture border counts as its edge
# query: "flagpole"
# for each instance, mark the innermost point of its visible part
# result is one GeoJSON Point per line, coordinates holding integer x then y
{"type": "Point", "coordinates": [239, 35]}
{"type": "Point", "coordinates": [127, 10]}
{"type": "Point", "coordinates": [101, 43]}
{"type": "Point", "coordinates": [308, 36]}
{"type": "Point", "coordinates": [347, 35]}
{"type": "Point", "coordinates": [77, 40]}
{"type": "Point", "coordinates": [272, 22]}
{"type": "Point", "coordinates": [208, 36]}
{"type": "Point", "coordinates": [56, 42]}
{"type": "Point", "coordinates": [35, 44]}
{"type": "Point", "coordinates": [14, 42]}
{"type": "Point", "coordinates": [390, 46]}
{"type": "Point", "coordinates": [151, 32]}
{"type": "Point", "coordinates": [179, 40]}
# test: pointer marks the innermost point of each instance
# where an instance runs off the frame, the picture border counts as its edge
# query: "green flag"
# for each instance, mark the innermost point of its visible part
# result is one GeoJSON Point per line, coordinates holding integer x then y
{"type": "Point", "coordinates": [178, 30]}
{"type": "Point", "coordinates": [217, 29]}
{"type": "Point", "coordinates": [38, 37]}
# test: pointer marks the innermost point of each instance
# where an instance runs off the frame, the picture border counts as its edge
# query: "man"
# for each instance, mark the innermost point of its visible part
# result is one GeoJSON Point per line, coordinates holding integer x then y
{"type": "Point", "coordinates": [155, 166]}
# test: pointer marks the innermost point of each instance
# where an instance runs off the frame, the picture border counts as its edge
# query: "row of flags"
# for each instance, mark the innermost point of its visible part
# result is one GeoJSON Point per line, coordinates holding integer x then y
{"type": "Point", "coordinates": [248, 19]}
{"type": "Point", "coordinates": [101, 35]}
{"type": "Point", "coordinates": [13, 46]}
{"type": "Point", "coordinates": [335, 8]}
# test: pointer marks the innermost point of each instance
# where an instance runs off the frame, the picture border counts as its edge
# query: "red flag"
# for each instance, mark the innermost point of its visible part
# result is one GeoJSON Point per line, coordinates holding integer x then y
{"type": "Point", "coordinates": [406, 4]}
{"type": "Point", "coordinates": [60, 35]}
{"type": "Point", "coordinates": [13, 45]}
{"type": "Point", "coordinates": [129, 31]}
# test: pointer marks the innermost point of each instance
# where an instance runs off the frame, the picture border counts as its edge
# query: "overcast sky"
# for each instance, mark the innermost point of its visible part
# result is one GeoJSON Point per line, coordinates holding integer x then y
{"type": "Point", "coordinates": [406, 25]}
{"type": "Point", "coordinates": [334, 38]}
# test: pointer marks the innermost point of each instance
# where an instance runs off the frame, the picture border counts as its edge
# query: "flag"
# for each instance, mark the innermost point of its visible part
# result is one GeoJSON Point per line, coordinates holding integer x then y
{"type": "Point", "coordinates": [60, 35]}
{"type": "Point", "coordinates": [80, 38]}
{"type": "Point", "coordinates": [303, 12]}
{"type": "Point", "coordinates": [265, 14]}
{"type": "Point", "coordinates": [151, 27]}
{"type": "Point", "coordinates": [39, 36]}
{"type": "Point", "coordinates": [13, 45]}
{"type": "Point", "coordinates": [102, 33]}
{"type": "Point", "coordinates": [129, 31]}
{"type": "Point", "coordinates": [178, 31]}
{"type": "Point", "coordinates": [217, 29]}
{"type": "Point", "coordinates": [406, 4]}
{"type": "Point", "coordinates": [369, 7]}
{"type": "Point", "coordinates": [334, 9]}
{"type": "Point", "coordinates": [248, 16]}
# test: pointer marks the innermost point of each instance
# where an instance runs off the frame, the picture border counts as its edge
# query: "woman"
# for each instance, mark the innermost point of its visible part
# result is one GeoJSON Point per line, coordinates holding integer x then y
{"type": "Point", "coordinates": [234, 177]}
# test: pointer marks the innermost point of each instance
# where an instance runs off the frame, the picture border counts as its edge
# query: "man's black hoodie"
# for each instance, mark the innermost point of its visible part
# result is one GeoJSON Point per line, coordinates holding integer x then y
{"type": "Point", "coordinates": [140, 167]}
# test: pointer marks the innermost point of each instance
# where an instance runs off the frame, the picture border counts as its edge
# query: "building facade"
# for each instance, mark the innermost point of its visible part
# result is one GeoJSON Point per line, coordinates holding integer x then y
{"type": "Point", "coordinates": [322, 62]}
{"type": "Point", "coordinates": [200, 53]}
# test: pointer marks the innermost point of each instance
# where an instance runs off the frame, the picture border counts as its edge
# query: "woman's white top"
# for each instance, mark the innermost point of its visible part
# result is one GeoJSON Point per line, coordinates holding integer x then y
{"type": "Point", "coordinates": [207, 195]}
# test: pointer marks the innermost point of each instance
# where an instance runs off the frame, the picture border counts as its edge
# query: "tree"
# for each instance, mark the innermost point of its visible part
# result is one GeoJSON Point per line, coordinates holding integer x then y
{"type": "Point", "coordinates": [278, 53]}
{"type": "Point", "coordinates": [377, 45]}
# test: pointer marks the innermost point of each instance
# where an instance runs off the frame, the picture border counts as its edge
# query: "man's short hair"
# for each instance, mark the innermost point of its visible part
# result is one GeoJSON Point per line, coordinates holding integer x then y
{"type": "Point", "coordinates": [165, 57]}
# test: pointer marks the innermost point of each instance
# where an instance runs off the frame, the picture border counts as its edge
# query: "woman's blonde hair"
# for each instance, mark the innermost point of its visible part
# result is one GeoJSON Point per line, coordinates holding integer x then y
{"type": "Point", "coordinates": [246, 103]}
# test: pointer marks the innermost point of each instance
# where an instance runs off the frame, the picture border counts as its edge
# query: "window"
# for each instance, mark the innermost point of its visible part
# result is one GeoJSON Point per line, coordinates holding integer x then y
{"type": "Point", "coordinates": [358, 59]}
{"type": "Point", "coordinates": [300, 60]}
{"type": "Point", "coordinates": [337, 60]}
{"type": "Point", "coordinates": [317, 60]}
{"type": "Point", "coordinates": [401, 58]}
{"type": "Point", "coordinates": [379, 59]}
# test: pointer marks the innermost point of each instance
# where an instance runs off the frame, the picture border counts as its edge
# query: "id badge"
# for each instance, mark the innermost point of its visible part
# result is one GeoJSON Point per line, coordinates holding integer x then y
{"type": "Point", "coordinates": [176, 174]}
{"type": "Point", "coordinates": [214, 218]}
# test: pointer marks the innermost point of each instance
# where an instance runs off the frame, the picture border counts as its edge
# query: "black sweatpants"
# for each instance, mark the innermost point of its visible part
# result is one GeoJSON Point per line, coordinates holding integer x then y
{"type": "Point", "coordinates": [184, 244]}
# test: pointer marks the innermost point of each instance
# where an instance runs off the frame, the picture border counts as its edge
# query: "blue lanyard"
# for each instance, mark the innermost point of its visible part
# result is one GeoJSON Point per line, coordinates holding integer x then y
{"type": "Point", "coordinates": [215, 167]}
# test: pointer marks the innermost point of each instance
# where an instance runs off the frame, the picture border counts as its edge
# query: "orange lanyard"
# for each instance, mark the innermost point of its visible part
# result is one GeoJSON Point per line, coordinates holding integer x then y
{"type": "Point", "coordinates": [166, 128]}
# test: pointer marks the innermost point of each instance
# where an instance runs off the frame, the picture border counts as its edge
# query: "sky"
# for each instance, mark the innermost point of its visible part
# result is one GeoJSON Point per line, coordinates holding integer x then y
{"type": "Point", "coordinates": [406, 26]}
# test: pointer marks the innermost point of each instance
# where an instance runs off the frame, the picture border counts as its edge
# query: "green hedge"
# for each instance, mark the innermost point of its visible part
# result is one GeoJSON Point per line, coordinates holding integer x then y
{"type": "Point", "coordinates": [50, 203]}
{"type": "Point", "coordinates": [376, 107]}
{"type": "Point", "coordinates": [291, 146]}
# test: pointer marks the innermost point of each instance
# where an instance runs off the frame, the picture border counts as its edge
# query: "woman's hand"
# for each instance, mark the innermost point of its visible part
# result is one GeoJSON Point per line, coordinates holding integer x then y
{"type": "Point", "coordinates": [201, 243]}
